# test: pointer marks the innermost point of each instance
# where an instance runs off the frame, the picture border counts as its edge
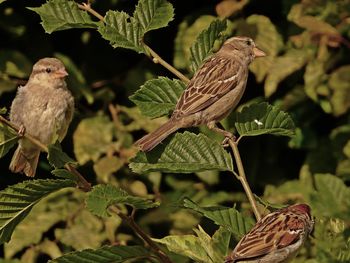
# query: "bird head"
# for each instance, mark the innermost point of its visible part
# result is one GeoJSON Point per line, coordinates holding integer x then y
{"type": "Point", "coordinates": [243, 47]}
{"type": "Point", "coordinates": [48, 70]}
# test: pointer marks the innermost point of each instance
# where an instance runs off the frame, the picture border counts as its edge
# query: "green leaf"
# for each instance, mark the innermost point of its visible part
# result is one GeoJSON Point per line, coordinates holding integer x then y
{"type": "Point", "coordinates": [157, 97]}
{"type": "Point", "coordinates": [84, 231]}
{"type": "Point", "coordinates": [200, 248]}
{"type": "Point", "coordinates": [103, 196]}
{"type": "Point", "coordinates": [203, 46]}
{"type": "Point", "coordinates": [314, 78]}
{"type": "Point", "coordinates": [137, 121]}
{"type": "Point", "coordinates": [187, 34]}
{"type": "Point", "coordinates": [64, 174]}
{"type": "Point", "coordinates": [57, 158]}
{"type": "Point", "coordinates": [214, 249]}
{"type": "Point", "coordinates": [310, 23]}
{"type": "Point", "coordinates": [153, 14]}
{"type": "Point", "coordinates": [186, 245]}
{"type": "Point", "coordinates": [220, 243]}
{"type": "Point", "coordinates": [59, 15]}
{"type": "Point", "coordinates": [16, 202]}
{"type": "Point", "coordinates": [121, 30]}
{"type": "Point", "coordinates": [15, 64]}
{"type": "Point", "coordinates": [283, 66]}
{"type": "Point", "coordinates": [92, 138]}
{"type": "Point", "coordinates": [185, 153]}
{"type": "Point", "coordinates": [262, 118]}
{"type": "Point", "coordinates": [115, 254]}
{"type": "Point", "coordinates": [267, 39]}
{"type": "Point", "coordinates": [228, 218]}
{"type": "Point", "coordinates": [332, 198]}
{"type": "Point", "coordinates": [55, 208]}
{"type": "Point", "coordinates": [106, 166]}
{"type": "Point", "coordinates": [339, 84]}
{"type": "Point", "coordinates": [8, 138]}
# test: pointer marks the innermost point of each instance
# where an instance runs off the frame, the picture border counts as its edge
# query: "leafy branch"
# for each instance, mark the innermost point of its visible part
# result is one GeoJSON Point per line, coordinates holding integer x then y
{"type": "Point", "coordinates": [149, 51]}
{"type": "Point", "coordinates": [129, 219]}
{"type": "Point", "coordinates": [103, 200]}
{"type": "Point", "coordinates": [157, 59]}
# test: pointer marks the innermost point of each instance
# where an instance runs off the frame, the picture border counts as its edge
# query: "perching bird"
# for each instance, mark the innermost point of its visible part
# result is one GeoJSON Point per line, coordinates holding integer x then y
{"type": "Point", "coordinates": [275, 238]}
{"type": "Point", "coordinates": [42, 108]}
{"type": "Point", "coordinates": [213, 92]}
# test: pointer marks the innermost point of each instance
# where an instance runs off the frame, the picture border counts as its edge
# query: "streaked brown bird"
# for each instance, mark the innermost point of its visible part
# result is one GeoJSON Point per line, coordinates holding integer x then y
{"type": "Point", "coordinates": [43, 108]}
{"type": "Point", "coordinates": [213, 92]}
{"type": "Point", "coordinates": [275, 238]}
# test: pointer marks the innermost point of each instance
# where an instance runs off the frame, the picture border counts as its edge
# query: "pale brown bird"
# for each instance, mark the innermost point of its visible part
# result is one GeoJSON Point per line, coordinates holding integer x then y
{"type": "Point", "coordinates": [275, 238]}
{"type": "Point", "coordinates": [213, 92]}
{"type": "Point", "coordinates": [42, 108]}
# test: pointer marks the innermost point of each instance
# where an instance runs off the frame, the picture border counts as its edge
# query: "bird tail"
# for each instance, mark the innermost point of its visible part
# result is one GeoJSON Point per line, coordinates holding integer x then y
{"type": "Point", "coordinates": [25, 162]}
{"type": "Point", "coordinates": [151, 140]}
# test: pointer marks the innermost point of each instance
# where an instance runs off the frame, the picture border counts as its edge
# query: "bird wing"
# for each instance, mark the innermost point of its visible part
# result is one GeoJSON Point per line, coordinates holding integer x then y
{"type": "Point", "coordinates": [68, 116]}
{"type": "Point", "coordinates": [268, 235]}
{"type": "Point", "coordinates": [216, 77]}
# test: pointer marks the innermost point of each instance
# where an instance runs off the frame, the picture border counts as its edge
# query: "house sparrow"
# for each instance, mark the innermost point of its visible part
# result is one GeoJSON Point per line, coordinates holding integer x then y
{"type": "Point", "coordinates": [44, 109]}
{"type": "Point", "coordinates": [275, 238]}
{"type": "Point", "coordinates": [213, 92]}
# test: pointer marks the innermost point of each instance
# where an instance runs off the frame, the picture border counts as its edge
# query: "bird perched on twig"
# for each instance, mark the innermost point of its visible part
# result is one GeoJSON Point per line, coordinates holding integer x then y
{"type": "Point", "coordinates": [213, 92]}
{"type": "Point", "coordinates": [43, 108]}
{"type": "Point", "coordinates": [275, 238]}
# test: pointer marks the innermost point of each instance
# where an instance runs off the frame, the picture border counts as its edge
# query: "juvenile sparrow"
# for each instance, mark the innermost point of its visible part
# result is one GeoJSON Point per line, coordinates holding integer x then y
{"type": "Point", "coordinates": [44, 109]}
{"type": "Point", "coordinates": [275, 238]}
{"type": "Point", "coordinates": [213, 92]}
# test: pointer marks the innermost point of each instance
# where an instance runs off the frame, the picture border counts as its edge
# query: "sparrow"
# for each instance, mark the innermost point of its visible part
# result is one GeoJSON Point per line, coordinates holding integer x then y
{"type": "Point", "coordinates": [275, 238]}
{"type": "Point", "coordinates": [43, 108]}
{"type": "Point", "coordinates": [214, 91]}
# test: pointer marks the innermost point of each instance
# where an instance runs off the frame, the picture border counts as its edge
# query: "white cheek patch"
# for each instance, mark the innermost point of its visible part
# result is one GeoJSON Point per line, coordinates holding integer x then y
{"type": "Point", "coordinates": [294, 231]}
{"type": "Point", "coordinates": [258, 122]}
{"type": "Point", "coordinates": [228, 80]}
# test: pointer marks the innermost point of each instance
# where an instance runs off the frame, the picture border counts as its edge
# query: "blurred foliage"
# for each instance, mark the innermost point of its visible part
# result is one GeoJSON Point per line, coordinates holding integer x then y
{"type": "Point", "coordinates": [194, 211]}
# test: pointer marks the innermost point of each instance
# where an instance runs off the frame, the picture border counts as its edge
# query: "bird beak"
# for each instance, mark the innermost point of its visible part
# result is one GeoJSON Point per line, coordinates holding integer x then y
{"type": "Point", "coordinates": [258, 52]}
{"type": "Point", "coordinates": [61, 73]}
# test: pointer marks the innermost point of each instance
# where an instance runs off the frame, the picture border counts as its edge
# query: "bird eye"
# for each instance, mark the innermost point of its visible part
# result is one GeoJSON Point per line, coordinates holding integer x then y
{"type": "Point", "coordinates": [249, 42]}
{"type": "Point", "coordinates": [48, 70]}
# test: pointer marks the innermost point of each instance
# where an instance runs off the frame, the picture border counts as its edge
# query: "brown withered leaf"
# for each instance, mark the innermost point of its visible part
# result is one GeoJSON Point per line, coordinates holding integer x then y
{"type": "Point", "coordinates": [227, 8]}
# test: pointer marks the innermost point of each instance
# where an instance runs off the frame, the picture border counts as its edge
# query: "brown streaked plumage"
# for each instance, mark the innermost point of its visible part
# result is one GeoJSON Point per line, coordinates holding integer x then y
{"type": "Point", "coordinates": [276, 238]}
{"type": "Point", "coordinates": [44, 109]}
{"type": "Point", "coordinates": [213, 92]}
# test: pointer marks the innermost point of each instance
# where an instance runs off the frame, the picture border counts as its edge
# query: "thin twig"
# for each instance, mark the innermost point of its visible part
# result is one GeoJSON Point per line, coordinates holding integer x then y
{"type": "Point", "coordinates": [87, 8]}
{"type": "Point", "coordinates": [242, 178]}
{"type": "Point", "coordinates": [35, 141]}
{"type": "Point", "coordinates": [236, 174]}
{"type": "Point", "coordinates": [157, 59]}
{"type": "Point", "coordinates": [114, 114]}
{"type": "Point", "coordinates": [131, 222]}
{"type": "Point", "coordinates": [82, 183]}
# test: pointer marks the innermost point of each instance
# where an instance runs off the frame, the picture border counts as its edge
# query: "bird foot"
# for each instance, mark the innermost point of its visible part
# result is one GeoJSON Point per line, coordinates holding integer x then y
{"type": "Point", "coordinates": [21, 131]}
{"type": "Point", "coordinates": [228, 135]}
{"type": "Point", "coordinates": [227, 138]}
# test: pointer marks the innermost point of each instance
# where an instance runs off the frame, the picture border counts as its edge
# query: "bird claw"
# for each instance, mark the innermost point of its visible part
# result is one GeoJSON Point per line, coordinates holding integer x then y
{"type": "Point", "coordinates": [21, 131]}
{"type": "Point", "coordinates": [228, 136]}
